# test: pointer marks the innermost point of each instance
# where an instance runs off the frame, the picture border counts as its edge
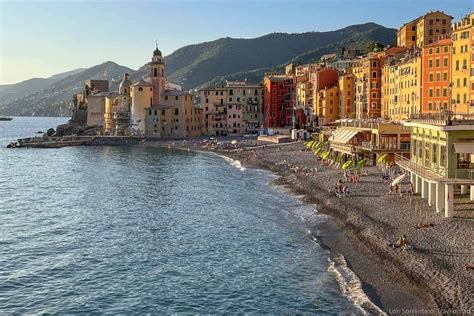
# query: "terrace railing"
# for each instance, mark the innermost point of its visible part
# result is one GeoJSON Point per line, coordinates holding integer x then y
{"type": "Point", "coordinates": [434, 172]}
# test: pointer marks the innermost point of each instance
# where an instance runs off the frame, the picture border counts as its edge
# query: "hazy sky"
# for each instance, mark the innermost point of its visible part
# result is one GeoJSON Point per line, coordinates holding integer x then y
{"type": "Point", "coordinates": [42, 38]}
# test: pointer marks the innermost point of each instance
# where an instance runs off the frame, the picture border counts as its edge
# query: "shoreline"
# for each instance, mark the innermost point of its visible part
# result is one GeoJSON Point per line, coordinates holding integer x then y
{"type": "Point", "coordinates": [422, 280]}
{"type": "Point", "coordinates": [429, 279]}
{"type": "Point", "coordinates": [438, 278]}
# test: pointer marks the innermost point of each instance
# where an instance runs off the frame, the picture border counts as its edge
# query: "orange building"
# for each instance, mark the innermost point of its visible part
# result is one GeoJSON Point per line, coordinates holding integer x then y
{"type": "Point", "coordinates": [436, 76]}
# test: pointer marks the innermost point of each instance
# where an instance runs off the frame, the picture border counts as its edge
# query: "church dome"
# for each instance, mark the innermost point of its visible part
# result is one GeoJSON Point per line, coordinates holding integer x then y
{"type": "Point", "coordinates": [124, 87]}
{"type": "Point", "coordinates": [157, 52]}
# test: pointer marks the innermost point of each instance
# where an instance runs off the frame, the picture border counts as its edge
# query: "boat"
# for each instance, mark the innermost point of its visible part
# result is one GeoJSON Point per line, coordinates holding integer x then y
{"type": "Point", "coordinates": [5, 118]}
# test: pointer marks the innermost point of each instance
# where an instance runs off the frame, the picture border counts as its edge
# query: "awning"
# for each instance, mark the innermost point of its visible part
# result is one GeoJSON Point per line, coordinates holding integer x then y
{"type": "Point", "coordinates": [343, 136]}
{"type": "Point", "coordinates": [464, 148]}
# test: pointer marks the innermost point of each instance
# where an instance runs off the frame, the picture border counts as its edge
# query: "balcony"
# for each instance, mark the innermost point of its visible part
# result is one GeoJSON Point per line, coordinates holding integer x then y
{"type": "Point", "coordinates": [436, 173]}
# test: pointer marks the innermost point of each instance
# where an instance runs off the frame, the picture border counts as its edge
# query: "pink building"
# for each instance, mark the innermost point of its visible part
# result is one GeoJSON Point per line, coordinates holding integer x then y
{"type": "Point", "coordinates": [235, 122]}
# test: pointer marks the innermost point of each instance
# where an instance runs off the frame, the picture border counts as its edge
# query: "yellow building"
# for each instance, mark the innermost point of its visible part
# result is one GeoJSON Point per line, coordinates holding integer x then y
{"type": "Point", "coordinates": [389, 88]}
{"type": "Point", "coordinates": [213, 102]}
{"type": "Point", "coordinates": [424, 30]}
{"type": "Point", "coordinates": [142, 98]}
{"type": "Point", "coordinates": [462, 65]}
{"type": "Point", "coordinates": [406, 35]}
{"type": "Point", "coordinates": [409, 87]}
{"type": "Point", "coordinates": [327, 105]}
{"type": "Point", "coordinates": [175, 117]}
{"type": "Point", "coordinates": [346, 94]}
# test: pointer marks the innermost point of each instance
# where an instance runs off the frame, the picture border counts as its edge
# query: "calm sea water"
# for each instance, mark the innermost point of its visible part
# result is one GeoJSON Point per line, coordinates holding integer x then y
{"type": "Point", "coordinates": [145, 230]}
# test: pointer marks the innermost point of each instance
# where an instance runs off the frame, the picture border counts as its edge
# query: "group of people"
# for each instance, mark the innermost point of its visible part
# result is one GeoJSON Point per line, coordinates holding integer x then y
{"type": "Point", "coordinates": [352, 178]}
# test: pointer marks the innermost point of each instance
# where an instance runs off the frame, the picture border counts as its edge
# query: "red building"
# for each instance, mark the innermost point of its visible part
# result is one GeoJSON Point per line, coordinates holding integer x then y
{"type": "Point", "coordinates": [279, 102]}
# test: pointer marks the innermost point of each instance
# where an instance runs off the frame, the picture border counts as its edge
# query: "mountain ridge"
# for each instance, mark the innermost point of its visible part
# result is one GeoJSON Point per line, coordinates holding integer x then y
{"type": "Point", "coordinates": [201, 64]}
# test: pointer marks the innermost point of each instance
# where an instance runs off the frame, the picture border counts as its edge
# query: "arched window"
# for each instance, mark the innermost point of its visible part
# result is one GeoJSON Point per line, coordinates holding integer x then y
{"type": "Point", "coordinates": [155, 72]}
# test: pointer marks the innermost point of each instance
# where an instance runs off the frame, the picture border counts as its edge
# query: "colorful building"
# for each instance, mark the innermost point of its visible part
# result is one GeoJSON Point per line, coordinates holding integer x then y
{"type": "Point", "coordinates": [233, 107]}
{"type": "Point", "coordinates": [142, 98]}
{"type": "Point", "coordinates": [346, 94]}
{"type": "Point", "coordinates": [436, 76]}
{"type": "Point", "coordinates": [442, 157]}
{"type": "Point", "coordinates": [462, 68]}
{"type": "Point", "coordinates": [327, 105]}
{"type": "Point", "coordinates": [409, 86]}
{"type": "Point", "coordinates": [424, 30]}
{"type": "Point", "coordinates": [368, 81]}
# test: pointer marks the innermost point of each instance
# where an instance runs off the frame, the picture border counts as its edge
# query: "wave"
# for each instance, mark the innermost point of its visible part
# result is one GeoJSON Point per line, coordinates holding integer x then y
{"type": "Point", "coordinates": [233, 162]}
{"type": "Point", "coordinates": [351, 286]}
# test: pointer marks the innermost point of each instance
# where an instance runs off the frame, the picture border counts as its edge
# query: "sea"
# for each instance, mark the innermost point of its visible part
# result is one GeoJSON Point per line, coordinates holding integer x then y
{"type": "Point", "coordinates": [151, 230]}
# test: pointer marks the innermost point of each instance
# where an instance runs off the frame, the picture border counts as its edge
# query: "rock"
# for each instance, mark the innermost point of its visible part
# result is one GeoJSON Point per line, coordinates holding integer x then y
{"type": "Point", "coordinates": [50, 132]}
{"type": "Point", "coordinates": [64, 129]}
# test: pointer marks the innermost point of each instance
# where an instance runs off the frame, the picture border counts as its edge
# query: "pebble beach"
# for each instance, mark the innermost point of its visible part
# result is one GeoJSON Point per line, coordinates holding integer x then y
{"type": "Point", "coordinates": [435, 269]}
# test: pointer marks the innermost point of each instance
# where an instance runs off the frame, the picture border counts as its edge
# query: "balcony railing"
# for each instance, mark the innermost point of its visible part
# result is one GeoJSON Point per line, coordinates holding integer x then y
{"type": "Point", "coordinates": [434, 172]}
{"type": "Point", "coordinates": [444, 117]}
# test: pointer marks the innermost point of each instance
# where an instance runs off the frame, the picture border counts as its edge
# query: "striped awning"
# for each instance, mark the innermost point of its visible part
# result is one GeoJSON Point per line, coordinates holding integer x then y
{"type": "Point", "coordinates": [464, 148]}
{"type": "Point", "coordinates": [343, 135]}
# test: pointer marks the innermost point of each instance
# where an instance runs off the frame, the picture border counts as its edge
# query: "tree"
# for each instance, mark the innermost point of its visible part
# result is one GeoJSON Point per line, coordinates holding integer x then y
{"type": "Point", "coordinates": [374, 47]}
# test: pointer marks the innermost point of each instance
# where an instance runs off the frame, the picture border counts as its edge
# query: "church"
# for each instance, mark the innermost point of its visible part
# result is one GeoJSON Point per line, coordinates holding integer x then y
{"type": "Point", "coordinates": [153, 108]}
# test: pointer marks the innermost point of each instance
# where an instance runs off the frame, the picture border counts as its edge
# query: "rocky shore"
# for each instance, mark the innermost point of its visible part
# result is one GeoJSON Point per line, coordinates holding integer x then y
{"type": "Point", "coordinates": [434, 269]}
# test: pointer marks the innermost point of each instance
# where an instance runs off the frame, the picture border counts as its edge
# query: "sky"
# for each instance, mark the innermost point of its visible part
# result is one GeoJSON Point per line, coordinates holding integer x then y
{"type": "Point", "coordinates": [43, 38]}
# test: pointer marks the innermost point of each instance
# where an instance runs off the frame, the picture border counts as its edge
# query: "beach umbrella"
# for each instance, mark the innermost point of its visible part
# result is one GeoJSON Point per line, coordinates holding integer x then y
{"type": "Point", "coordinates": [382, 159]}
{"type": "Point", "coordinates": [398, 179]}
{"type": "Point", "coordinates": [325, 154]}
{"type": "Point", "coordinates": [309, 144]}
{"type": "Point", "coordinates": [361, 164]}
{"type": "Point", "coordinates": [347, 165]}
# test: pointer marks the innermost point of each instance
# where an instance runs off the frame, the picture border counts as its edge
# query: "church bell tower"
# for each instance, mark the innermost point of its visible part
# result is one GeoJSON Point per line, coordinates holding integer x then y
{"type": "Point", "coordinates": [157, 76]}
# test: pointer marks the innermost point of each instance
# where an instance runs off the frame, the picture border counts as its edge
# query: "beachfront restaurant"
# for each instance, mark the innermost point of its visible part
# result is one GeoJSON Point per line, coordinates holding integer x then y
{"type": "Point", "coordinates": [369, 139]}
{"type": "Point", "coordinates": [442, 158]}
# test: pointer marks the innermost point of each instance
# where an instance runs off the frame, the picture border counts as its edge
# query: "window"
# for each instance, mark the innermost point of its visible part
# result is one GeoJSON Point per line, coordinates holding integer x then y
{"type": "Point", "coordinates": [445, 47]}
{"type": "Point", "coordinates": [430, 106]}
{"type": "Point", "coordinates": [176, 97]}
{"type": "Point", "coordinates": [176, 111]}
{"type": "Point", "coordinates": [438, 76]}
{"type": "Point", "coordinates": [166, 97]}
{"type": "Point", "coordinates": [431, 93]}
{"type": "Point", "coordinates": [445, 76]}
{"type": "Point", "coordinates": [374, 64]}
{"type": "Point", "coordinates": [445, 92]}
{"type": "Point", "coordinates": [155, 72]}
{"type": "Point", "coordinates": [431, 76]}
{"type": "Point", "coordinates": [431, 51]}
{"type": "Point", "coordinates": [374, 74]}
{"type": "Point", "coordinates": [442, 156]}
{"type": "Point", "coordinates": [140, 89]}
{"type": "Point", "coordinates": [457, 64]}
{"type": "Point", "coordinates": [437, 62]}
{"type": "Point", "coordinates": [437, 50]}
{"type": "Point", "coordinates": [163, 112]}
{"type": "Point", "coordinates": [445, 62]}
{"type": "Point", "coordinates": [430, 63]}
